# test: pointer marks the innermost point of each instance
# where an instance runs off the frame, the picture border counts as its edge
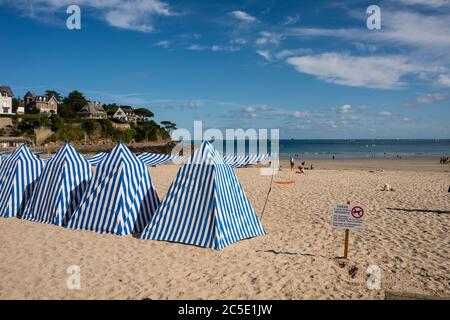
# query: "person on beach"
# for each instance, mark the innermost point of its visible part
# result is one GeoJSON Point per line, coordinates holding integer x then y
{"type": "Point", "coordinates": [300, 170]}
{"type": "Point", "coordinates": [292, 163]}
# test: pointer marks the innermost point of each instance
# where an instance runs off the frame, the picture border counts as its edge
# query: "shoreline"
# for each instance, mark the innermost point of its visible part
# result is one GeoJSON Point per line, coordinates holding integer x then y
{"type": "Point", "coordinates": [413, 163]}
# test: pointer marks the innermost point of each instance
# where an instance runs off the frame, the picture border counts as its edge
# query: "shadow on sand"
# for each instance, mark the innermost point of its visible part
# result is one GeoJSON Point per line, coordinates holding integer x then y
{"type": "Point", "coordinates": [421, 210]}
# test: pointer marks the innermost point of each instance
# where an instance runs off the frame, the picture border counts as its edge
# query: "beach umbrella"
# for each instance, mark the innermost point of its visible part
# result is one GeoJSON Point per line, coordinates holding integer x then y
{"type": "Point", "coordinates": [59, 188]}
{"type": "Point", "coordinates": [205, 205]}
{"type": "Point", "coordinates": [120, 198]}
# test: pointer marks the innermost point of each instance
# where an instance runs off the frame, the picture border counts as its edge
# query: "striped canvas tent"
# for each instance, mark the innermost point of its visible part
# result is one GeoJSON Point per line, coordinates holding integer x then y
{"type": "Point", "coordinates": [205, 205]}
{"type": "Point", "coordinates": [18, 175]}
{"type": "Point", "coordinates": [239, 161]}
{"type": "Point", "coordinates": [47, 159]}
{"type": "Point", "coordinates": [4, 155]}
{"type": "Point", "coordinates": [120, 199]}
{"type": "Point", "coordinates": [153, 159]}
{"type": "Point", "coordinates": [96, 159]}
{"type": "Point", "coordinates": [59, 188]}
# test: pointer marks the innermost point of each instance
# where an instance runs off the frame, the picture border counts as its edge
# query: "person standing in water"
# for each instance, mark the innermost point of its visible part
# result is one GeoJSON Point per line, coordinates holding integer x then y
{"type": "Point", "coordinates": [292, 163]}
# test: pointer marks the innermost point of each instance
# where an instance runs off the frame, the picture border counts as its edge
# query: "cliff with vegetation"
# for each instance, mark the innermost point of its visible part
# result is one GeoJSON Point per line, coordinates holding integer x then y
{"type": "Point", "coordinates": [67, 125]}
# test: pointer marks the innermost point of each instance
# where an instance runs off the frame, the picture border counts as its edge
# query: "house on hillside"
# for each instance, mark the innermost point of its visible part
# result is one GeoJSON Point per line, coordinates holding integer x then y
{"type": "Point", "coordinates": [14, 142]}
{"type": "Point", "coordinates": [93, 110]}
{"type": "Point", "coordinates": [6, 96]}
{"type": "Point", "coordinates": [127, 115]}
{"type": "Point", "coordinates": [45, 104]}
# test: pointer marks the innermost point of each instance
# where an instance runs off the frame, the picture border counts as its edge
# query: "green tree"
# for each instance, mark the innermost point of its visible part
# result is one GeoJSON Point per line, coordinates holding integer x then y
{"type": "Point", "coordinates": [144, 112]}
{"type": "Point", "coordinates": [69, 134]}
{"type": "Point", "coordinates": [146, 131]}
{"type": "Point", "coordinates": [34, 110]}
{"type": "Point", "coordinates": [110, 109]}
{"type": "Point", "coordinates": [56, 122]}
{"type": "Point", "coordinates": [54, 93]}
{"type": "Point", "coordinates": [89, 126]}
{"type": "Point", "coordinates": [169, 126]}
{"type": "Point", "coordinates": [66, 112]}
{"type": "Point", "coordinates": [75, 100]}
{"type": "Point", "coordinates": [15, 104]}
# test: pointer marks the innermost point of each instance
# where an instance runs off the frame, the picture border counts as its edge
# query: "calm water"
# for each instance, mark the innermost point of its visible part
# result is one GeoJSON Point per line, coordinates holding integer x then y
{"type": "Point", "coordinates": [363, 148]}
{"type": "Point", "coordinates": [359, 148]}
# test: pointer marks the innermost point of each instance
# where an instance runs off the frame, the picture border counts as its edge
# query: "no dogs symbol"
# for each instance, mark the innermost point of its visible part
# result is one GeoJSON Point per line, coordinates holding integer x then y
{"type": "Point", "coordinates": [357, 212]}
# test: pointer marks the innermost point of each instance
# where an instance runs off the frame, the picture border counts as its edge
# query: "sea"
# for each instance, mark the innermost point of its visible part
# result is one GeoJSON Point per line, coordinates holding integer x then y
{"type": "Point", "coordinates": [354, 148]}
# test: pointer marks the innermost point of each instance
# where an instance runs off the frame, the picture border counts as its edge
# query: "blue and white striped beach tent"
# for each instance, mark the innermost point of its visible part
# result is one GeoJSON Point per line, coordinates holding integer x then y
{"type": "Point", "coordinates": [120, 199]}
{"type": "Point", "coordinates": [153, 159]}
{"type": "Point", "coordinates": [18, 175]}
{"type": "Point", "coordinates": [46, 160]}
{"type": "Point", "coordinates": [239, 161]}
{"type": "Point", "coordinates": [205, 205]}
{"type": "Point", "coordinates": [96, 159]}
{"type": "Point", "coordinates": [59, 188]}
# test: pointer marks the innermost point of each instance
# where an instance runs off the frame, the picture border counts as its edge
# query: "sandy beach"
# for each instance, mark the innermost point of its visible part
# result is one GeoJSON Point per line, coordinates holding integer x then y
{"type": "Point", "coordinates": [406, 235]}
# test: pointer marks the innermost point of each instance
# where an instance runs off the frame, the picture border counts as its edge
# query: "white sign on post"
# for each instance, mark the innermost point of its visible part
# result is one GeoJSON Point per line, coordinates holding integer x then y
{"type": "Point", "coordinates": [348, 216]}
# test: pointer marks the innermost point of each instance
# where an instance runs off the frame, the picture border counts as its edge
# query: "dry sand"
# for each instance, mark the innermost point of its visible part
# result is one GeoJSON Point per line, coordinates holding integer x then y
{"type": "Point", "coordinates": [406, 235]}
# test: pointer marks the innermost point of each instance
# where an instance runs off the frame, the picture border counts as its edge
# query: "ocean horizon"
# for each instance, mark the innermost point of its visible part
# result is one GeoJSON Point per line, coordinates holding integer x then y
{"type": "Point", "coordinates": [348, 148]}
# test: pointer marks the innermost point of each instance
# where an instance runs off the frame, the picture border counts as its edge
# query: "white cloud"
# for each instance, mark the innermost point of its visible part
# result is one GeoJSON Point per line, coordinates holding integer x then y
{"type": "Point", "coordinates": [291, 20]}
{"type": "Point", "coordinates": [192, 104]}
{"type": "Point", "coordinates": [249, 109]}
{"type": "Point", "coordinates": [240, 41]}
{"type": "Point", "coordinates": [290, 52]}
{"type": "Point", "coordinates": [444, 80]}
{"type": "Point", "coordinates": [401, 27]}
{"type": "Point", "coordinates": [265, 54]}
{"type": "Point", "coordinates": [385, 114]}
{"type": "Point", "coordinates": [163, 43]}
{"type": "Point", "coordinates": [429, 98]}
{"type": "Point", "coordinates": [345, 109]}
{"type": "Point", "coordinates": [268, 38]}
{"type": "Point", "coordinates": [214, 48]}
{"type": "Point", "coordinates": [243, 16]}
{"type": "Point", "coordinates": [301, 114]}
{"type": "Point", "coordinates": [264, 108]}
{"type": "Point", "coordinates": [380, 72]}
{"type": "Point", "coordinates": [133, 15]}
{"type": "Point", "coordinates": [427, 3]}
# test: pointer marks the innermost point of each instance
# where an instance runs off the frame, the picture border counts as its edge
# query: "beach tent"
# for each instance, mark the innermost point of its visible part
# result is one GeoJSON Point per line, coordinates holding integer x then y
{"type": "Point", "coordinates": [153, 159]}
{"type": "Point", "coordinates": [46, 159]}
{"type": "Point", "coordinates": [4, 155]}
{"type": "Point", "coordinates": [205, 205]}
{"type": "Point", "coordinates": [59, 188]}
{"type": "Point", "coordinates": [96, 159]}
{"type": "Point", "coordinates": [18, 175]}
{"type": "Point", "coordinates": [239, 161]}
{"type": "Point", "coordinates": [120, 199]}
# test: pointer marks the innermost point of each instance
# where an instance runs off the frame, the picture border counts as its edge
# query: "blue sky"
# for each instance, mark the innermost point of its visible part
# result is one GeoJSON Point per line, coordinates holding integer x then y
{"type": "Point", "coordinates": [310, 68]}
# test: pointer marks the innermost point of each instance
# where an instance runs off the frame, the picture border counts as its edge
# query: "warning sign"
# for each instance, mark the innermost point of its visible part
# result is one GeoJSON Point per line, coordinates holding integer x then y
{"type": "Point", "coordinates": [348, 216]}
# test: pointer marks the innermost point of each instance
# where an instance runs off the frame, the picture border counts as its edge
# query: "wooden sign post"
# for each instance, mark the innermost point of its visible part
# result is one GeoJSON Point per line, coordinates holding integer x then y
{"type": "Point", "coordinates": [347, 235]}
